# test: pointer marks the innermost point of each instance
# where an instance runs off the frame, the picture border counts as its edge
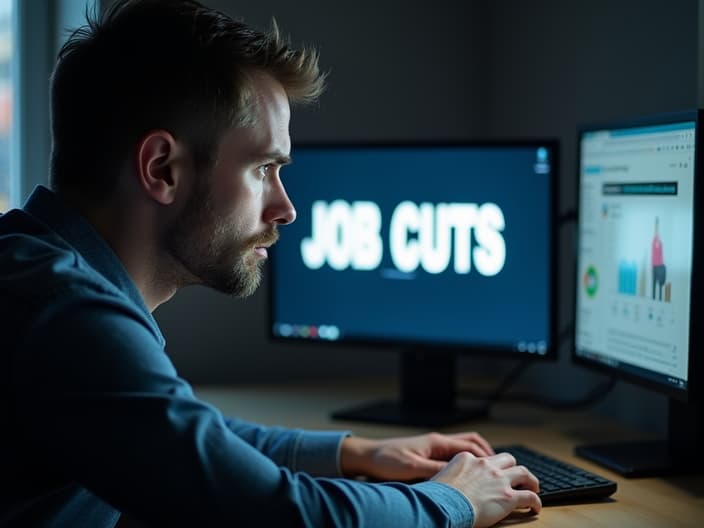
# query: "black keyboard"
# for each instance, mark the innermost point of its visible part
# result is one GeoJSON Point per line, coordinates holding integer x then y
{"type": "Point", "coordinates": [559, 481]}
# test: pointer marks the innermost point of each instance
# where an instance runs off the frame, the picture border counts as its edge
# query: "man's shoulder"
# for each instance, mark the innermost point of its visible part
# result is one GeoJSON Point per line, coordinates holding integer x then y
{"type": "Point", "coordinates": [35, 262]}
{"type": "Point", "coordinates": [45, 279]}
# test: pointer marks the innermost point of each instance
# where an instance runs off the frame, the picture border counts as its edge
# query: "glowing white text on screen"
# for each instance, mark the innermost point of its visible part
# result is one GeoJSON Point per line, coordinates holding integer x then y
{"type": "Point", "coordinates": [348, 235]}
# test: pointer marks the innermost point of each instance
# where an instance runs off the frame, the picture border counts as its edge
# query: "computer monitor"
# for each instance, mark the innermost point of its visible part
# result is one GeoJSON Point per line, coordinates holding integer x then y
{"type": "Point", "coordinates": [434, 249]}
{"type": "Point", "coordinates": [638, 297]}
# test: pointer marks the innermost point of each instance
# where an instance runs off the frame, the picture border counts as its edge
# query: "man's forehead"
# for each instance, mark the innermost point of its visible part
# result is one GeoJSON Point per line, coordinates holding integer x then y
{"type": "Point", "coordinates": [254, 142]}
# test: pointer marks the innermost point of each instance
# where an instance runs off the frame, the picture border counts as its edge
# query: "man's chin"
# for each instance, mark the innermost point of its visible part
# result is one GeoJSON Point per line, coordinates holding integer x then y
{"type": "Point", "coordinates": [247, 290]}
{"type": "Point", "coordinates": [240, 285]}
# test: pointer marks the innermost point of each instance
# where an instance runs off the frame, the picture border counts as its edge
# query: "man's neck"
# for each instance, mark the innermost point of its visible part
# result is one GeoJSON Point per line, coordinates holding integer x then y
{"type": "Point", "coordinates": [132, 234]}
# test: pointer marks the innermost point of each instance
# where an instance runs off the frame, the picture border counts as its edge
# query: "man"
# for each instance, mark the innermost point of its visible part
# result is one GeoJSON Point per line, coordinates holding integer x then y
{"type": "Point", "coordinates": [170, 127]}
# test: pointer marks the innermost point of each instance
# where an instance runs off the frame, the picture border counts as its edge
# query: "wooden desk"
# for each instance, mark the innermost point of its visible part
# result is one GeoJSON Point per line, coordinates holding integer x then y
{"type": "Point", "coordinates": [642, 503]}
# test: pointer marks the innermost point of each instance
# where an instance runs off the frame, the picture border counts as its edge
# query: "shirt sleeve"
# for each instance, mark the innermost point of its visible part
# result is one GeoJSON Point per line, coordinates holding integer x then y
{"type": "Point", "coordinates": [100, 404]}
{"type": "Point", "coordinates": [315, 452]}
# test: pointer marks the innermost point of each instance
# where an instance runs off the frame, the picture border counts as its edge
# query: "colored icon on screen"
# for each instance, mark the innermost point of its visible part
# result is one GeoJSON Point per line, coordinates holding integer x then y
{"type": "Point", "coordinates": [591, 281]}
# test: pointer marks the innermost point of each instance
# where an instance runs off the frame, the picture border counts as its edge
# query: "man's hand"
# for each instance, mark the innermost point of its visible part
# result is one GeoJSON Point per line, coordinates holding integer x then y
{"type": "Point", "coordinates": [407, 458]}
{"type": "Point", "coordinates": [490, 485]}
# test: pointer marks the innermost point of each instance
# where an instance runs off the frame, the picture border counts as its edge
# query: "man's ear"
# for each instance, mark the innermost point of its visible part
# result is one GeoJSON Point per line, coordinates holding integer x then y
{"type": "Point", "coordinates": [160, 160]}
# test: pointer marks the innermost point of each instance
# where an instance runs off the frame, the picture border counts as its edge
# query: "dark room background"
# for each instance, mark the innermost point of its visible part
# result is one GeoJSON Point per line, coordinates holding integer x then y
{"type": "Point", "coordinates": [418, 70]}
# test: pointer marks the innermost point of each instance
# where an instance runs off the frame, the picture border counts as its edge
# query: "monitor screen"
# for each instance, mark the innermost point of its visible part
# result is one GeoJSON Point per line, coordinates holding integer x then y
{"type": "Point", "coordinates": [419, 244]}
{"type": "Point", "coordinates": [637, 295]}
{"type": "Point", "coordinates": [635, 251]}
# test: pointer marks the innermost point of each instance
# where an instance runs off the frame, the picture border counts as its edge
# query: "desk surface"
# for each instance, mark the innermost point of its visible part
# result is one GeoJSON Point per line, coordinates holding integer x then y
{"type": "Point", "coordinates": [649, 502]}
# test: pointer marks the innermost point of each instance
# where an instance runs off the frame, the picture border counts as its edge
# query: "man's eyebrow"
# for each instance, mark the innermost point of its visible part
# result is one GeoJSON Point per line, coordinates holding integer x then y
{"type": "Point", "coordinates": [278, 157]}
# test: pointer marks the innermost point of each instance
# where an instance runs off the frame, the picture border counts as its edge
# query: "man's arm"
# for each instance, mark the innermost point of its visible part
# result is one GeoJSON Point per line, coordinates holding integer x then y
{"type": "Point", "coordinates": [100, 404]}
{"type": "Point", "coordinates": [315, 452]}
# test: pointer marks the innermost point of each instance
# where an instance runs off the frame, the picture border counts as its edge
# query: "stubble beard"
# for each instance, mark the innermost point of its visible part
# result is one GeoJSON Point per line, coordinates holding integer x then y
{"type": "Point", "coordinates": [213, 252]}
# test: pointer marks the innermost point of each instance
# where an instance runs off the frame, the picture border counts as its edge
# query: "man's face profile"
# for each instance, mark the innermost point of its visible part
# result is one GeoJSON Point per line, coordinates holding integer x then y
{"type": "Point", "coordinates": [231, 216]}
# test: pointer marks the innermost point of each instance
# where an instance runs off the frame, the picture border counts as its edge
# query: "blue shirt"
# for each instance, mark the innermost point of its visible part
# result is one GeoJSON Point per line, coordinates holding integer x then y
{"type": "Point", "coordinates": [96, 420]}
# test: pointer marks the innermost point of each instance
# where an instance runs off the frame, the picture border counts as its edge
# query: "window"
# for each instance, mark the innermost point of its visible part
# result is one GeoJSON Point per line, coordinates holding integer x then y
{"type": "Point", "coordinates": [5, 101]}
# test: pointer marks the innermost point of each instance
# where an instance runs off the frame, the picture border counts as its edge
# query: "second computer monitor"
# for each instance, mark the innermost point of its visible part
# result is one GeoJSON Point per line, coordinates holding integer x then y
{"type": "Point", "coordinates": [638, 293]}
{"type": "Point", "coordinates": [636, 249]}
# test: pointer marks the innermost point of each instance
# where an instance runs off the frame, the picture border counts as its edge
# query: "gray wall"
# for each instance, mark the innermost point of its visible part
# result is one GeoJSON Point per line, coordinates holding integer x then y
{"type": "Point", "coordinates": [419, 70]}
{"type": "Point", "coordinates": [555, 64]}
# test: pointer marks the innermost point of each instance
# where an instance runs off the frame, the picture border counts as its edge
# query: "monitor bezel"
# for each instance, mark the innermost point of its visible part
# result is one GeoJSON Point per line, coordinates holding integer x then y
{"type": "Point", "coordinates": [552, 351]}
{"type": "Point", "coordinates": [690, 392]}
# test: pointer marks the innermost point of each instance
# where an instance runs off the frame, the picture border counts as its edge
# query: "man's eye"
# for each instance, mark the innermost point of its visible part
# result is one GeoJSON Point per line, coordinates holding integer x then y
{"type": "Point", "coordinates": [264, 169]}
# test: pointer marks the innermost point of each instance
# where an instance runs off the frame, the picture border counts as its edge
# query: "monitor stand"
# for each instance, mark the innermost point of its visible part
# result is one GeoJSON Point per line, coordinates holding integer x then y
{"type": "Point", "coordinates": [427, 395]}
{"type": "Point", "coordinates": [678, 454]}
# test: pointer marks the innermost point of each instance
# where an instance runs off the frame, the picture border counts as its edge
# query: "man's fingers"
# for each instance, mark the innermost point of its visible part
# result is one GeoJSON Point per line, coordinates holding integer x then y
{"type": "Point", "coordinates": [503, 460]}
{"type": "Point", "coordinates": [475, 448]}
{"type": "Point", "coordinates": [522, 478]}
{"type": "Point", "coordinates": [477, 440]}
{"type": "Point", "coordinates": [528, 499]}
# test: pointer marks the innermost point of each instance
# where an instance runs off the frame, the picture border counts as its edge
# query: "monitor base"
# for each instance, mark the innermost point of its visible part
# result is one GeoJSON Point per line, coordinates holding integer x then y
{"type": "Point", "coordinates": [394, 413]}
{"type": "Point", "coordinates": [634, 459]}
{"type": "Point", "coordinates": [678, 454]}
